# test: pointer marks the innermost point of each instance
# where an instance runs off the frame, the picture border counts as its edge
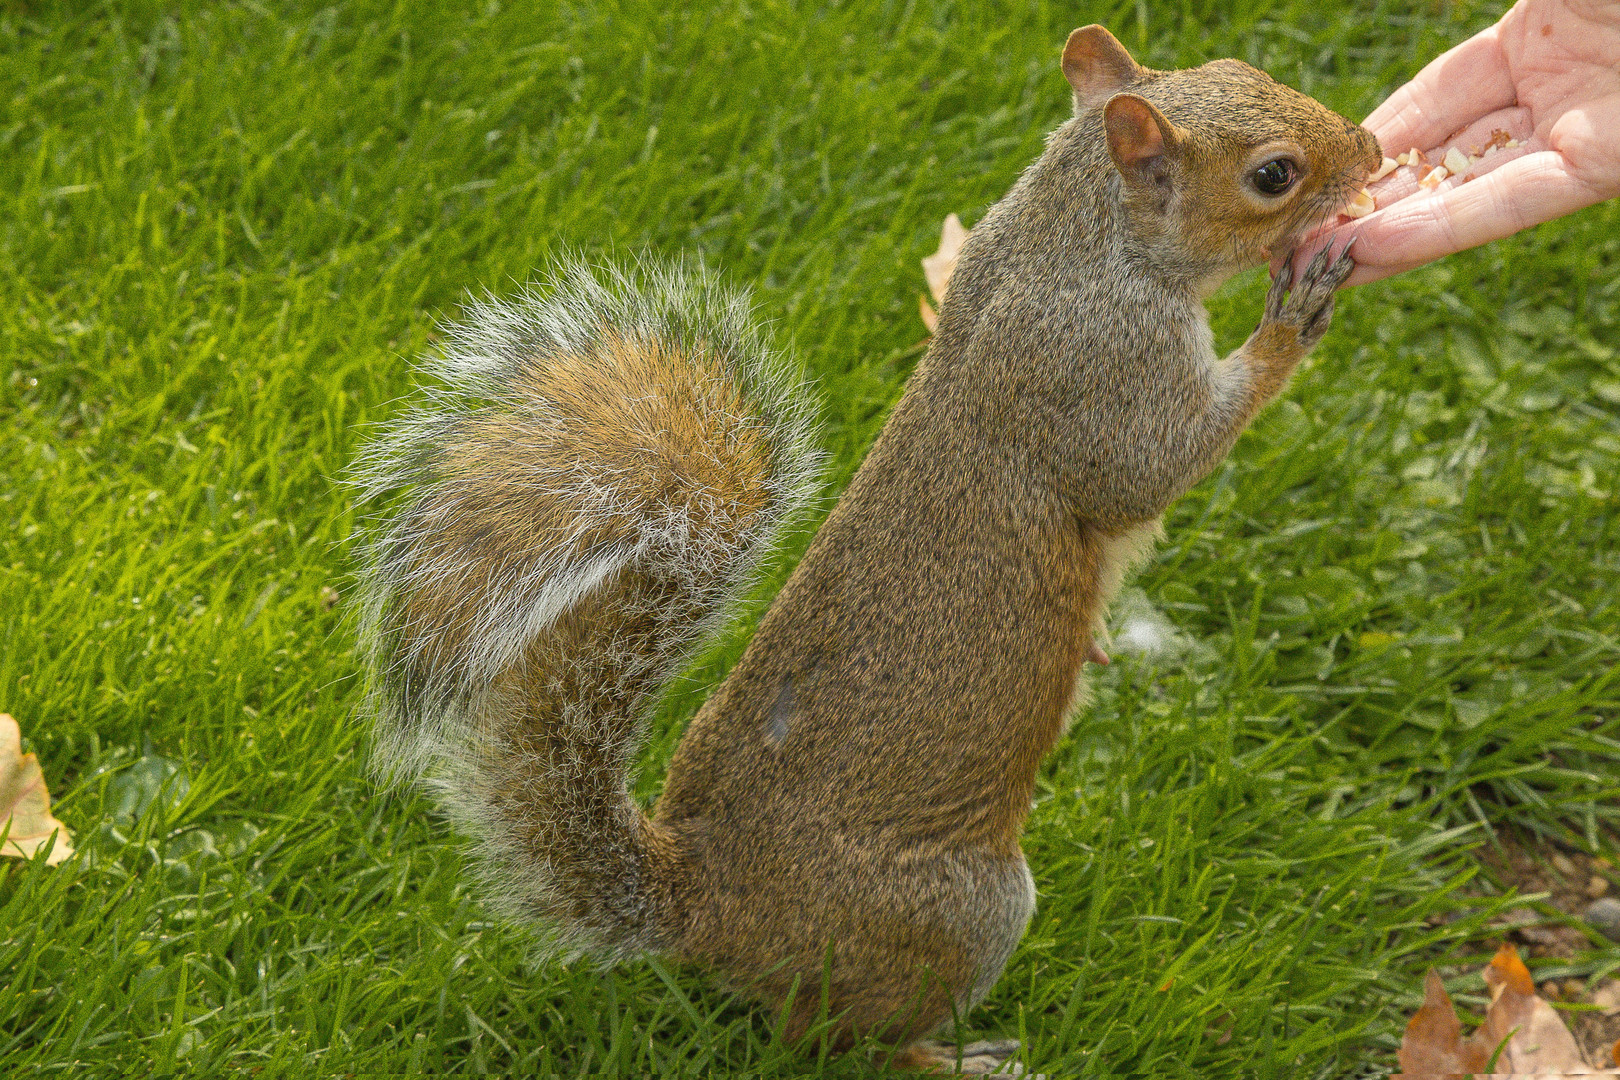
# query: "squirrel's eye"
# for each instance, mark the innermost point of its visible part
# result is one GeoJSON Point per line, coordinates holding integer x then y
{"type": "Point", "coordinates": [1275, 176]}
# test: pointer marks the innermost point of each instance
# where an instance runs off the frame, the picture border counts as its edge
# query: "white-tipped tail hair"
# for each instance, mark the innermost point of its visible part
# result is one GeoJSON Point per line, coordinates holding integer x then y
{"type": "Point", "coordinates": [590, 486]}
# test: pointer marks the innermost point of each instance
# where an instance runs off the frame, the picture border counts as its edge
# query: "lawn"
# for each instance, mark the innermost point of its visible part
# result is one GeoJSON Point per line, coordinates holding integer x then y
{"type": "Point", "coordinates": [1388, 626]}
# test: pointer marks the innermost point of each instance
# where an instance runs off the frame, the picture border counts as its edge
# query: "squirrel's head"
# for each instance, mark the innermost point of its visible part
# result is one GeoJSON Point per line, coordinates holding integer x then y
{"type": "Point", "coordinates": [1220, 164]}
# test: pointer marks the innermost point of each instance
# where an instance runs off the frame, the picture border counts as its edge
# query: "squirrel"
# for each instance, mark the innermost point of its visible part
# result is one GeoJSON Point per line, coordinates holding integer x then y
{"type": "Point", "coordinates": [607, 459]}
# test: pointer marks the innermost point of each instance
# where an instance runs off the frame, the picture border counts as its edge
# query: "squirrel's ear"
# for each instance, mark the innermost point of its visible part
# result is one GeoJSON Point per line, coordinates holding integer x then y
{"type": "Point", "coordinates": [1097, 66]}
{"type": "Point", "coordinates": [1139, 137]}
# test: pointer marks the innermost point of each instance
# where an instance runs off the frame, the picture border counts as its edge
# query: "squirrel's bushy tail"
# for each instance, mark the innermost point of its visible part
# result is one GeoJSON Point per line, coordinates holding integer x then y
{"type": "Point", "coordinates": [606, 461]}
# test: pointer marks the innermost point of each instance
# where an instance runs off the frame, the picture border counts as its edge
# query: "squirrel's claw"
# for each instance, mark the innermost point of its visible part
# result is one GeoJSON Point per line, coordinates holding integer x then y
{"type": "Point", "coordinates": [1277, 295]}
{"type": "Point", "coordinates": [1314, 271]}
{"type": "Point", "coordinates": [1343, 265]}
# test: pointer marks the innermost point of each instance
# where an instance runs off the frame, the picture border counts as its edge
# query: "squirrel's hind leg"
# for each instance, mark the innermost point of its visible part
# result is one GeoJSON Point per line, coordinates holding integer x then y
{"type": "Point", "coordinates": [930, 952]}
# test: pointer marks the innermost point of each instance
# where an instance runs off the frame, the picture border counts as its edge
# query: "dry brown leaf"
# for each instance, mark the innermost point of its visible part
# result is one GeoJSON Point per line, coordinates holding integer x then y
{"type": "Point", "coordinates": [1507, 972]}
{"type": "Point", "coordinates": [25, 804]}
{"type": "Point", "coordinates": [939, 266]}
{"type": "Point", "coordinates": [929, 317]}
{"type": "Point", "coordinates": [1540, 1042]}
{"type": "Point", "coordinates": [1433, 1042]}
{"type": "Point", "coordinates": [1533, 1038]}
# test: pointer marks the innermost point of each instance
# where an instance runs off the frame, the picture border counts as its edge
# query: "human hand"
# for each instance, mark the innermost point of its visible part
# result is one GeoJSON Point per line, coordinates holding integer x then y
{"type": "Point", "coordinates": [1549, 75]}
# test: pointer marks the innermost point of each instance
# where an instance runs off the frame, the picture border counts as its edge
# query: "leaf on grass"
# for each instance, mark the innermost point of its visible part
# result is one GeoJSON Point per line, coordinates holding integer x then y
{"type": "Point", "coordinates": [1433, 1043]}
{"type": "Point", "coordinates": [1521, 1035]}
{"type": "Point", "coordinates": [25, 804]}
{"type": "Point", "coordinates": [1537, 1040]}
{"type": "Point", "coordinates": [939, 266]}
{"type": "Point", "coordinates": [927, 314]}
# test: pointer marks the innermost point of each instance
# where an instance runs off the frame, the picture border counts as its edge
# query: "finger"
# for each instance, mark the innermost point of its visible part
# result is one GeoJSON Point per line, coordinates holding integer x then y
{"type": "Point", "coordinates": [1472, 140]}
{"type": "Point", "coordinates": [1364, 274]}
{"type": "Point", "coordinates": [1524, 192]}
{"type": "Point", "coordinates": [1475, 139]}
{"type": "Point", "coordinates": [1348, 235]}
{"type": "Point", "coordinates": [1403, 183]}
{"type": "Point", "coordinates": [1455, 89]}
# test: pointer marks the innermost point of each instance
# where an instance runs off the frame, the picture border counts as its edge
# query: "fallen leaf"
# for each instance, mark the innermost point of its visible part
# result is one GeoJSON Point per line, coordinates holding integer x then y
{"type": "Point", "coordinates": [1507, 972]}
{"type": "Point", "coordinates": [1537, 1040]}
{"type": "Point", "coordinates": [929, 317]}
{"type": "Point", "coordinates": [1522, 1034]}
{"type": "Point", "coordinates": [25, 803]}
{"type": "Point", "coordinates": [1433, 1042]}
{"type": "Point", "coordinates": [939, 266]}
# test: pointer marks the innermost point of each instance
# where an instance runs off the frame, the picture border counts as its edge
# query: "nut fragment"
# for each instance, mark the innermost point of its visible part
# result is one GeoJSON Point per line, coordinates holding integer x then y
{"type": "Point", "coordinates": [1360, 206]}
{"type": "Point", "coordinates": [1455, 161]}
{"type": "Point", "coordinates": [1435, 175]}
{"type": "Point", "coordinates": [1388, 166]}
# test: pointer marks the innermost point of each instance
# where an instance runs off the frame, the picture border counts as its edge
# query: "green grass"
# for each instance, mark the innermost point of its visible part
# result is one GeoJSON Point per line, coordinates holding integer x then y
{"type": "Point", "coordinates": [225, 233]}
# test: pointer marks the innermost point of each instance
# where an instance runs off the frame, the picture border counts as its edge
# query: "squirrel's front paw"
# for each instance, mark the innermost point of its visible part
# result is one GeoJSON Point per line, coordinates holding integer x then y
{"type": "Point", "coordinates": [1306, 306]}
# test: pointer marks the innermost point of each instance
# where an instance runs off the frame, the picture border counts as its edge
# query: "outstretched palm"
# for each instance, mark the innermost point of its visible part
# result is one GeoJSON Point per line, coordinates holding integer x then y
{"type": "Point", "coordinates": [1548, 74]}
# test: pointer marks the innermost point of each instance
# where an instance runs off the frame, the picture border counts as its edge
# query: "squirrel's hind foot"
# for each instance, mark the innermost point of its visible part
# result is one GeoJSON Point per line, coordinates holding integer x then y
{"type": "Point", "coordinates": [974, 1059]}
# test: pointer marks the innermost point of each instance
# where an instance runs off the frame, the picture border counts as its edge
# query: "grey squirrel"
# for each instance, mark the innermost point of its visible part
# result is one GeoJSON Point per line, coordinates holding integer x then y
{"type": "Point", "coordinates": [609, 458]}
